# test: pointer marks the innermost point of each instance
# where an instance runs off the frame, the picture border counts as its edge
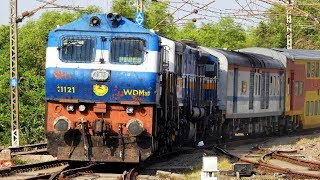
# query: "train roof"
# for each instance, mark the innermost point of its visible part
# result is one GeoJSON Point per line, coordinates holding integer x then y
{"type": "Point", "coordinates": [106, 25]}
{"type": "Point", "coordinates": [248, 59]}
{"type": "Point", "coordinates": [299, 54]}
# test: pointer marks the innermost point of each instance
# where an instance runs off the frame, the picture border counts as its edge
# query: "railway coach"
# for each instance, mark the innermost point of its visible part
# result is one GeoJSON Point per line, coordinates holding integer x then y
{"type": "Point", "coordinates": [302, 90]}
{"type": "Point", "coordinates": [250, 94]}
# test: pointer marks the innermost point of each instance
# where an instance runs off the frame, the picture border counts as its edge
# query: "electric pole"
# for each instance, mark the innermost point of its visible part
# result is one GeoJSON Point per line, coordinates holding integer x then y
{"type": "Point", "coordinates": [289, 24]}
{"type": "Point", "coordinates": [139, 16]}
{"type": "Point", "coordinates": [14, 20]}
{"type": "Point", "coordinates": [139, 6]}
{"type": "Point", "coordinates": [14, 74]}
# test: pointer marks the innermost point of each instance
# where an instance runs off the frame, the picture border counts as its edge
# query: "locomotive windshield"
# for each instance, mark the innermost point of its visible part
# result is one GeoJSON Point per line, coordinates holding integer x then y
{"type": "Point", "coordinates": [77, 49]}
{"type": "Point", "coordinates": [127, 51]}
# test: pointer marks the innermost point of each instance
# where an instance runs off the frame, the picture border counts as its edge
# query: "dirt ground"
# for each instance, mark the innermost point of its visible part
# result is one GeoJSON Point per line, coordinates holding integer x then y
{"type": "Point", "coordinates": [307, 145]}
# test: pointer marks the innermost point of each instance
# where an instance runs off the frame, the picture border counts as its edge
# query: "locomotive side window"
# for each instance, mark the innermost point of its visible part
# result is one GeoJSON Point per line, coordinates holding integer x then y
{"type": "Point", "coordinates": [127, 51]}
{"type": "Point", "coordinates": [165, 57]}
{"type": "Point", "coordinates": [77, 49]}
{"type": "Point", "coordinates": [178, 64]}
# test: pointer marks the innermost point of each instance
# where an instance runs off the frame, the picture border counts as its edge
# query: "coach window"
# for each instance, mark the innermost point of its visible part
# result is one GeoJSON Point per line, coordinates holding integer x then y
{"type": "Point", "coordinates": [256, 85]}
{"type": "Point", "coordinates": [296, 88]}
{"type": "Point", "coordinates": [300, 88]}
{"type": "Point", "coordinates": [127, 51]}
{"type": "Point", "coordinates": [316, 108]}
{"type": "Point", "coordinates": [271, 85]}
{"type": "Point", "coordinates": [313, 69]}
{"type": "Point", "coordinates": [308, 69]}
{"type": "Point", "coordinates": [317, 69]}
{"type": "Point", "coordinates": [307, 108]}
{"type": "Point", "coordinates": [274, 85]}
{"type": "Point", "coordinates": [311, 108]}
{"type": "Point", "coordinates": [77, 49]}
{"type": "Point", "coordinates": [259, 85]}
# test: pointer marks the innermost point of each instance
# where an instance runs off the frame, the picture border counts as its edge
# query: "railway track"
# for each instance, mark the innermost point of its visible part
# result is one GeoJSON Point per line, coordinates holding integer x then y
{"type": "Point", "coordinates": [31, 171]}
{"type": "Point", "coordinates": [283, 162]}
{"type": "Point", "coordinates": [65, 170]}
{"type": "Point", "coordinates": [40, 148]}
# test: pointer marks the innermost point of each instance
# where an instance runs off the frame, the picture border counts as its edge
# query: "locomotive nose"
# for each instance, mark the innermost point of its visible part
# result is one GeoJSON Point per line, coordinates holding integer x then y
{"type": "Point", "coordinates": [135, 127]}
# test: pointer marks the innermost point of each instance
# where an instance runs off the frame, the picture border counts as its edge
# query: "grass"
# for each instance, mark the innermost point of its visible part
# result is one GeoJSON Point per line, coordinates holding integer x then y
{"type": "Point", "coordinates": [18, 161]}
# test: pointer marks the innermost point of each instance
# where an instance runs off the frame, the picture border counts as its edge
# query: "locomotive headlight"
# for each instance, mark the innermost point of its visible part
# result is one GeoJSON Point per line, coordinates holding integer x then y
{"type": "Point", "coordinates": [61, 124]}
{"type": "Point", "coordinates": [82, 108]}
{"type": "Point", "coordinates": [94, 21]}
{"type": "Point", "coordinates": [129, 109]}
{"type": "Point", "coordinates": [134, 127]}
{"type": "Point", "coordinates": [100, 75]}
{"type": "Point", "coordinates": [70, 107]}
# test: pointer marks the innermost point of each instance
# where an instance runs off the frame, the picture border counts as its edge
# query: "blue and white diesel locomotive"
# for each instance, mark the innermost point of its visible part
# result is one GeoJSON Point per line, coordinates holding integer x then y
{"type": "Point", "coordinates": [117, 92]}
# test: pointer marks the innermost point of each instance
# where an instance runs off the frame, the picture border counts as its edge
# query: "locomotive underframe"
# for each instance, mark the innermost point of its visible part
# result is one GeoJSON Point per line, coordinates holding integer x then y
{"type": "Point", "coordinates": [72, 146]}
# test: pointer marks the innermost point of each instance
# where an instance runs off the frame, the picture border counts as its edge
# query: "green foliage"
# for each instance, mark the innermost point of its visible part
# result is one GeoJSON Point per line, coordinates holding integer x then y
{"type": "Point", "coordinates": [18, 162]}
{"type": "Point", "coordinates": [32, 47]}
{"type": "Point", "coordinates": [225, 34]}
{"type": "Point", "coordinates": [125, 8]}
{"type": "Point", "coordinates": [273, 32]}
{"type": "Point", "coordinates": [158, 18]}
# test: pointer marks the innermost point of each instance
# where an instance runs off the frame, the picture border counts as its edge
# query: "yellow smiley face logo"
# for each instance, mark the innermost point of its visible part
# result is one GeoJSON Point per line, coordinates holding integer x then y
{"type": "Point", "coordinates": [100, 90]}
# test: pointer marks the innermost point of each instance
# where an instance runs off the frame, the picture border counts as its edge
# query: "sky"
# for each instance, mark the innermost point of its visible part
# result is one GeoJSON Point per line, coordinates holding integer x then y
{"type": "Point", "coordinates": [210, 13]}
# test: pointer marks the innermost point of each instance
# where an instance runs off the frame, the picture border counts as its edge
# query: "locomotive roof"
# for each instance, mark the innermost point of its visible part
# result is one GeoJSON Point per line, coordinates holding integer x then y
{"type": "Point", "coordinates": [83, 24]}
{"type": "Point", "coordinates": [250, 59]}
{"type": "Point", "coordinates": [300, 54]}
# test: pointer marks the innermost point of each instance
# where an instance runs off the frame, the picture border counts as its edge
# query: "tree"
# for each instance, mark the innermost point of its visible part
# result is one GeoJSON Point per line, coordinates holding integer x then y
{"type": "Point", "coordinates": [157, 15]}
{"type": "Point", "coordinates": [32, 48]}
{"type": "Point", "coordinates": [159, 18]}
{"type": "Point", "coordinates": [125, 8]}
{"type": "Point", "coordinates": [272, 33]}
{"type": "Point", "coordinates": [226, 34]}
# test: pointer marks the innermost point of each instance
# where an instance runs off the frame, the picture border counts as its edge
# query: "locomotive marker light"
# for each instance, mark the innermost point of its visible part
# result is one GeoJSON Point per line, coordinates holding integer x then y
{"type": "Point", "coordinates": [70, 107]}
{"type": "Point", "coordinates": [134, 127]}
{"type": "Point", "coordinates": [61, 124]}
{"type": "Point", "coordinates": [94, 21]}
{"type": "Point", "coordinates": [129, 109]}
{"type": "Point", "coordinates": [82, 108]}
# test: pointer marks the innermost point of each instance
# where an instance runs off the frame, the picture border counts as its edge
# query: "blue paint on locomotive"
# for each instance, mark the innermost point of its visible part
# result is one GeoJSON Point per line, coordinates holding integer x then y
{"type": "Point", "coordinates": [67, 83]}
{"type": "Point", "coordinates": [82, 27]}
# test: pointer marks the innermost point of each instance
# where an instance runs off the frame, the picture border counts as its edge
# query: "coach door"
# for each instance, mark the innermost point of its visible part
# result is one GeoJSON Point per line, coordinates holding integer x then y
{"type": "Point", "coordinates": [235, 89]}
